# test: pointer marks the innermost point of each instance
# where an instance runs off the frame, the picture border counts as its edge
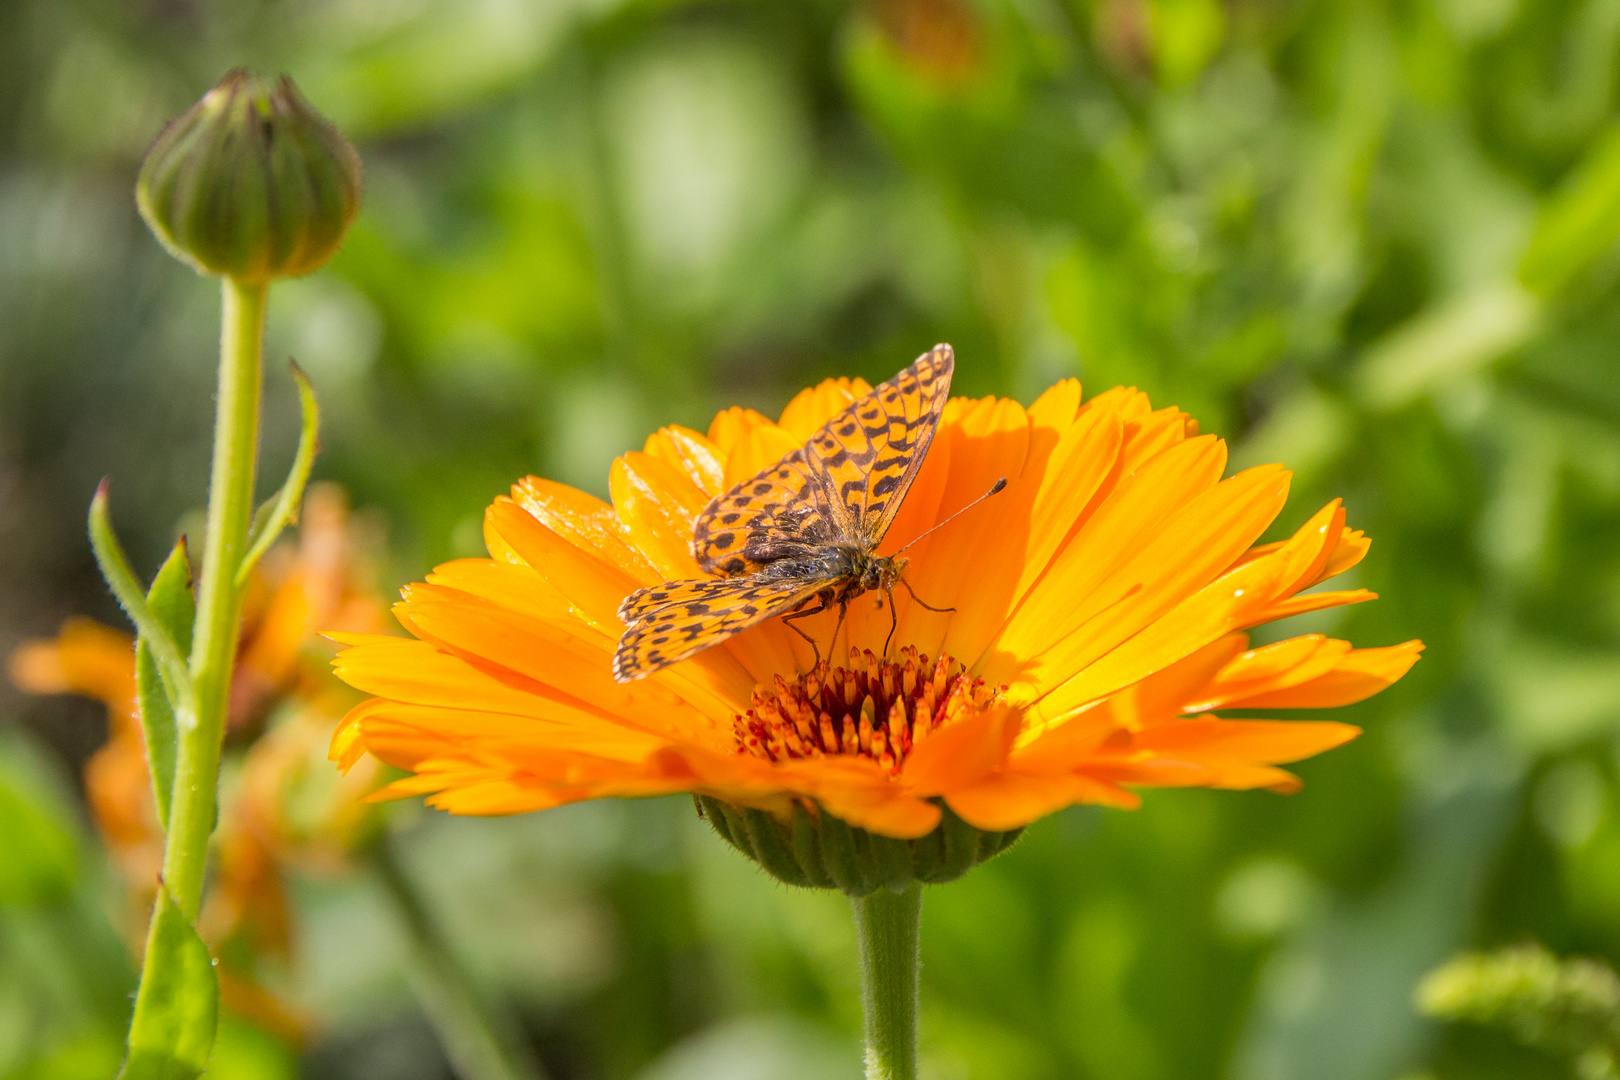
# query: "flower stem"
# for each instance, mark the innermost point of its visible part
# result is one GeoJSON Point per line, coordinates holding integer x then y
{"type": "Point", "coordinates": [480, 1042]}
{"type": "Point", "coordinates": [213, 651]}
{"type": "Point", "coordinates": [886, 927]}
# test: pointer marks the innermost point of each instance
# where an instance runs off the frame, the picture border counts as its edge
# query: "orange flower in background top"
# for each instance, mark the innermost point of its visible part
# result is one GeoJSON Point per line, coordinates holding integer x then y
{"type": "Point", "coordinates": [1097, 614]}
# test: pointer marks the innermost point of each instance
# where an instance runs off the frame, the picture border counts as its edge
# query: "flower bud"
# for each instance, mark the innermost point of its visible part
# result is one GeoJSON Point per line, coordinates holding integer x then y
{"type": "Point", "coordinates": [816, 850]}
{"type": "Point", "coordinates": [250, 182]}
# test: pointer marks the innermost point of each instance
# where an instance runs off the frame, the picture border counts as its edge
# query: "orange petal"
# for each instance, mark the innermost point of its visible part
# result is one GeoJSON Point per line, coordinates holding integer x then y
{"type": "Point", "coordinates": [1271, 667]}
{"type": "Point", "coordinates": [699, 459]}
{"type": "Point", "coordinates": [1086, 570]}
{"type": "Point", "coordinates": [582, 519]}
{"type": "Point", "coordinates": [758, 450]}
{"type": "Point", "coordinates": [961, 753]}
{"type": "Point", "coordinates": [1357, 675]}
{"type": "Point", "coordinates": [1217, 609]}
{"type": "Point", "coordinates": [1140, 597]}
{"type": "Point", "coordinates": [878, 810]}
{"type": "Point", "coordinates": [657, 504]}
{"type": "Point", "coordinates": [1013, 799]}
{"type": "Point", "coordinates": [1299, 605]}
{"type": "Point", "coordinates": [1084, 458]}
{"type": "Point", "coordinates": [1149, 436]}
{"type": "Point", "coordinates": [730, 425]}
{"type": "Point", "coordinates": [812, 408]}
{"type": "Point", "coordinates": [1268, 742]}
{"type": "Point", "coordinates": [988, 443]}
{"type": "Point", "coordinates": [1058, 406]}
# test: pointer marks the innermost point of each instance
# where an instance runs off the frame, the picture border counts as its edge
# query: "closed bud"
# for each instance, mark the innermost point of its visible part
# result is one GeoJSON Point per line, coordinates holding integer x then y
{"type": "Point", "coordinates": [250, 183]}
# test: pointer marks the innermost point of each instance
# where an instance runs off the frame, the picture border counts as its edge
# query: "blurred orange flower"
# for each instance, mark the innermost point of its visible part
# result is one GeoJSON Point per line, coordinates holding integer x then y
{"type": "Point", "coordinates": [1096, 627]}
{"type": "Point", "coordinates": [275, 809]}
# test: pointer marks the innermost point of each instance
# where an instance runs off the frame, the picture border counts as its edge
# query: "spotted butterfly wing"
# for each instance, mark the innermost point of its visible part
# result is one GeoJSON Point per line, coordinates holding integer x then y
{"type": "Point", "coordinates": [842, 487]}
{"type": "Point", "coordinates": [873, 450]}
{"type": "Point", "coordinates": [678, 619]}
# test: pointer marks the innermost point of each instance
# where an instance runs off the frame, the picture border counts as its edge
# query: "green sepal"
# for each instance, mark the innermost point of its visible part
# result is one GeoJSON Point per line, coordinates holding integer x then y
{"type": "Point", "coordinates": [843, 857]}
{"type": "Point", "coordinates": [814, 849]}
{"type": "Point", "coordinates": [171, 603]}
{"type": "Point", "coordinates": [177, 1008]}
{"type": "Point", "coordinates": [773, 847]}
{"type": "Point", "coordinates": [807, 850]}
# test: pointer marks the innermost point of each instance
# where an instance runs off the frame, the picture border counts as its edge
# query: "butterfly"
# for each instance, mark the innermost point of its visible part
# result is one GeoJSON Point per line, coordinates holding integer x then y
{"type": "Point", "coordinates": [806, 528]}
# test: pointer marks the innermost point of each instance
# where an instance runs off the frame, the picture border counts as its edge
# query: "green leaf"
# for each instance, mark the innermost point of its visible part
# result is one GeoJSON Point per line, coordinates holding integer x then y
{"type": "Point", "coordinates": [171, 603]}
{"type": "Point", "coordinates": [177, 1008]}
{"type": "Point", "coordinates": [39, 862]}
{"type": "Point", "coordinates": [280, 511]}
{"type": "Point", "coordinates": [115, 568]}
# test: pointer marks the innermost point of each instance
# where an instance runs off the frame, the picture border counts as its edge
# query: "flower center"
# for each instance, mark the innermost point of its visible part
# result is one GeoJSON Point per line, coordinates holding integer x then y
{"type": "Point", "coordinates": [873, 708]}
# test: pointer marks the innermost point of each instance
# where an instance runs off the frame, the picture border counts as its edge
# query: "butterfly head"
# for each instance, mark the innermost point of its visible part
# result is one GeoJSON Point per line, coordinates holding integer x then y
{"type": "Point", "coordinates": [883, 572]}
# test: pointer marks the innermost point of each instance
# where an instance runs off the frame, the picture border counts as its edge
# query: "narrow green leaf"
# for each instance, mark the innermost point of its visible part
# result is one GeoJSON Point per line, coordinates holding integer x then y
{"type": "Point", "coordinates": [171, 603]}
{"type": "Point", "coordinates": [282, 510]}
{"type": "Point", "coordinates": [126, 587]}
{"type": "Point", "coordinates": [177, 1008]}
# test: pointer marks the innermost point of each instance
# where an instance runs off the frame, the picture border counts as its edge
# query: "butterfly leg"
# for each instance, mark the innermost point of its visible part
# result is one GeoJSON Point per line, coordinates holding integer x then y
{"type": "Point", "coordinates": [843, 609]}
{"type": "Point", "coordinates": [787, 620]}
{"type": "Point", "coordinates": [894, 618]}
{"type": "Point", "coordinates": [917, 598]}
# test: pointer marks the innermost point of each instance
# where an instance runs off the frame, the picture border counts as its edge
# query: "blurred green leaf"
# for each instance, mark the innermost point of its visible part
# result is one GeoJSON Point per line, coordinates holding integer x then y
{"type": "Point", "coordinates": [1447, 343]}
{"type": "Point", "coordinates": [1186, 36]}
{"type": "Point", "coordinates": [177, 1007]}
{"type": "Point", "coordinates": [40, 861]}
{"type": "Point", "coordinates": [1579, 223]}
{"type": "Point", "coordinates": [171, 603]}
{"type": "Point", "coordinates": [245, 1052]}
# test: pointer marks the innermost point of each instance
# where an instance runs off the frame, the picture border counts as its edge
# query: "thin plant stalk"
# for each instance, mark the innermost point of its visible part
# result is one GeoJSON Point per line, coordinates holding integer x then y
{"type": "Point", "coordinates": [481, 1042]}
{"type": "Point", "coordinates": [213, 652]}
{"type": "Point", "coordinates": [887, 925]}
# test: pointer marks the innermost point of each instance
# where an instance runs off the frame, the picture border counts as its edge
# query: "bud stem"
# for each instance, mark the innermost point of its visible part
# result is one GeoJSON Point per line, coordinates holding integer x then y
{"type": "Point", "coordinates": [213, 653]}
{"type": "Point", "coordinates": [887, 925]}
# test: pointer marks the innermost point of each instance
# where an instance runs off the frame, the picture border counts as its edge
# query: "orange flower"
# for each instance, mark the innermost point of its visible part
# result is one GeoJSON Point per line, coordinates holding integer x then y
{"type": "Point", "coordinates": [99, 662]}
{"type": "Point", "coordinates": [1098, 608]}
{"type": "Point", "coordinates": [271, 814]}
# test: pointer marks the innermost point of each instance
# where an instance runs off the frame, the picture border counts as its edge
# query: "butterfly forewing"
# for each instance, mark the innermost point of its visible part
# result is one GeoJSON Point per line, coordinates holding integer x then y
{"type": "Point", "coordinates": [872, 451]}
{"type": "Point", "coordinates": [678, 619]}
{"type": "Point", "coordinates": [843, 487]}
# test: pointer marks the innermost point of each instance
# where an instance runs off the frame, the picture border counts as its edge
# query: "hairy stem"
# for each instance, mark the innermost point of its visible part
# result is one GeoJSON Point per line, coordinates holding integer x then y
{"type": "Point", "coordinates": [886, 928]}
{"type": "Point", "coordinates": [213, 650]}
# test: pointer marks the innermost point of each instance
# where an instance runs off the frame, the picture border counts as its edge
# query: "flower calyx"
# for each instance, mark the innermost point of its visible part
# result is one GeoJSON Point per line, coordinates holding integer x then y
{"type": "Point", "coordinates": [813, 849]}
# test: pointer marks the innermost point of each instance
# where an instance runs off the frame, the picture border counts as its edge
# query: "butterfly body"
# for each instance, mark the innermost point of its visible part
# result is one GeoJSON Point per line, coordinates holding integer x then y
{"type": "Point", "coordinates": [805, 529]}
{"type": "Point", "coordinates": [848, 571]}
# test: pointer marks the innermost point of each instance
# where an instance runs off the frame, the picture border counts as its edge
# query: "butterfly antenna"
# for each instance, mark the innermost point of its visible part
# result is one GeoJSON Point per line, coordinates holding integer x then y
{"type": "Point", "coordinates": [994, 488]}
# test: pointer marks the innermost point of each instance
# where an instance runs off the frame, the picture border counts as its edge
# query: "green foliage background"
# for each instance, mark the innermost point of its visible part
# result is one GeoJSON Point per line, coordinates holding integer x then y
{"type": "Point", "coordinates": [1373, 240]}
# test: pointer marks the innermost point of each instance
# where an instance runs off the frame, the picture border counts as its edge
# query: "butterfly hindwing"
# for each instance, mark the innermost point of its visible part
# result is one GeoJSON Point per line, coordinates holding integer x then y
{"type": "Point", "coordinates": [843, 487]}
{"type": "Point", "coordinates": [782, 511]}
{"type": "Point", "coordinates": [678, 619]}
